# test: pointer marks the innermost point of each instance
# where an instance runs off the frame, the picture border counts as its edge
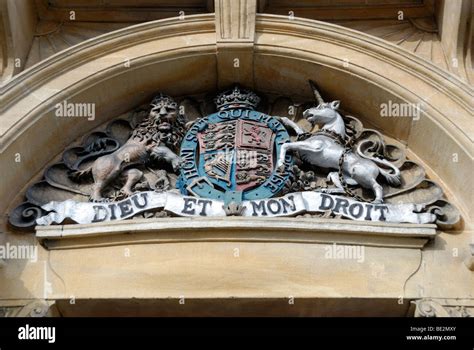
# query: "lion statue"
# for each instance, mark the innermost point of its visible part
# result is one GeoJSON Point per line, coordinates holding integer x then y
{"type": "Point", "coordinates": [156, 138]}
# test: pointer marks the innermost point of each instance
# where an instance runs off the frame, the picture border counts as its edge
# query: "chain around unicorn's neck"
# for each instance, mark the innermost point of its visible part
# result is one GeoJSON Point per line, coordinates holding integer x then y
{"type": "Point", "coordinates": [337, 126]}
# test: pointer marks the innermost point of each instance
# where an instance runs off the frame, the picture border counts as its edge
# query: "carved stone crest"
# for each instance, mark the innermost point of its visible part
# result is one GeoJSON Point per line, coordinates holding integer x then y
{"type": "Point", "coordinates": [234, 156]}
{"type": "Point", "coordinates": [229, 155]}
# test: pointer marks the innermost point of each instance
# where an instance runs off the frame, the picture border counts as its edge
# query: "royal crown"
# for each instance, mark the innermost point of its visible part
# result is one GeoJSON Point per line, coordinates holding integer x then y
{"type": "Point", "coordinates": [162, 99]}
{"type": "Point", "coordinates": [236, 98]}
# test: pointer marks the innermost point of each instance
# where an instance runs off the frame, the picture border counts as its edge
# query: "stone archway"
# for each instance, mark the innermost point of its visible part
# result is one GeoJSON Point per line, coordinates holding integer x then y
{"type": "Point", "coordinates": [124, 68]}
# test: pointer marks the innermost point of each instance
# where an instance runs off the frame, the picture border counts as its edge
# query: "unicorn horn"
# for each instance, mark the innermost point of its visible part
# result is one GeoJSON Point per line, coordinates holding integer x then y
{"type": "Point", "coordinates": [316, 93]}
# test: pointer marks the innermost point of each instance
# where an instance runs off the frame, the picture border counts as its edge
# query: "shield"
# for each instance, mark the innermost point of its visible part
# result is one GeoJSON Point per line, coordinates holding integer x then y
{"type": "Point", "coordinates": [230, 155]}
{"type": "Point", "coordinates": [236, 155]}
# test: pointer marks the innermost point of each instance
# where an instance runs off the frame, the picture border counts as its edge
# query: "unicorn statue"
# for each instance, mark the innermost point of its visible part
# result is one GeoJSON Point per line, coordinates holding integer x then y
{"type": "Point", "coordinates": [331, 148]}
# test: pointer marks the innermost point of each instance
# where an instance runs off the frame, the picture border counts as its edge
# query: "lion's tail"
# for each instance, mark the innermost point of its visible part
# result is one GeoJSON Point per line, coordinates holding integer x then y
{"type": "Point", "coordinates": [81, 174]}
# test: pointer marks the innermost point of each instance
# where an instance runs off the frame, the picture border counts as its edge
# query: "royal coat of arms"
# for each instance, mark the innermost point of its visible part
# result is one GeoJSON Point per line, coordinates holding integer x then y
{"type": "Point", "coordinates": [232, 156]}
